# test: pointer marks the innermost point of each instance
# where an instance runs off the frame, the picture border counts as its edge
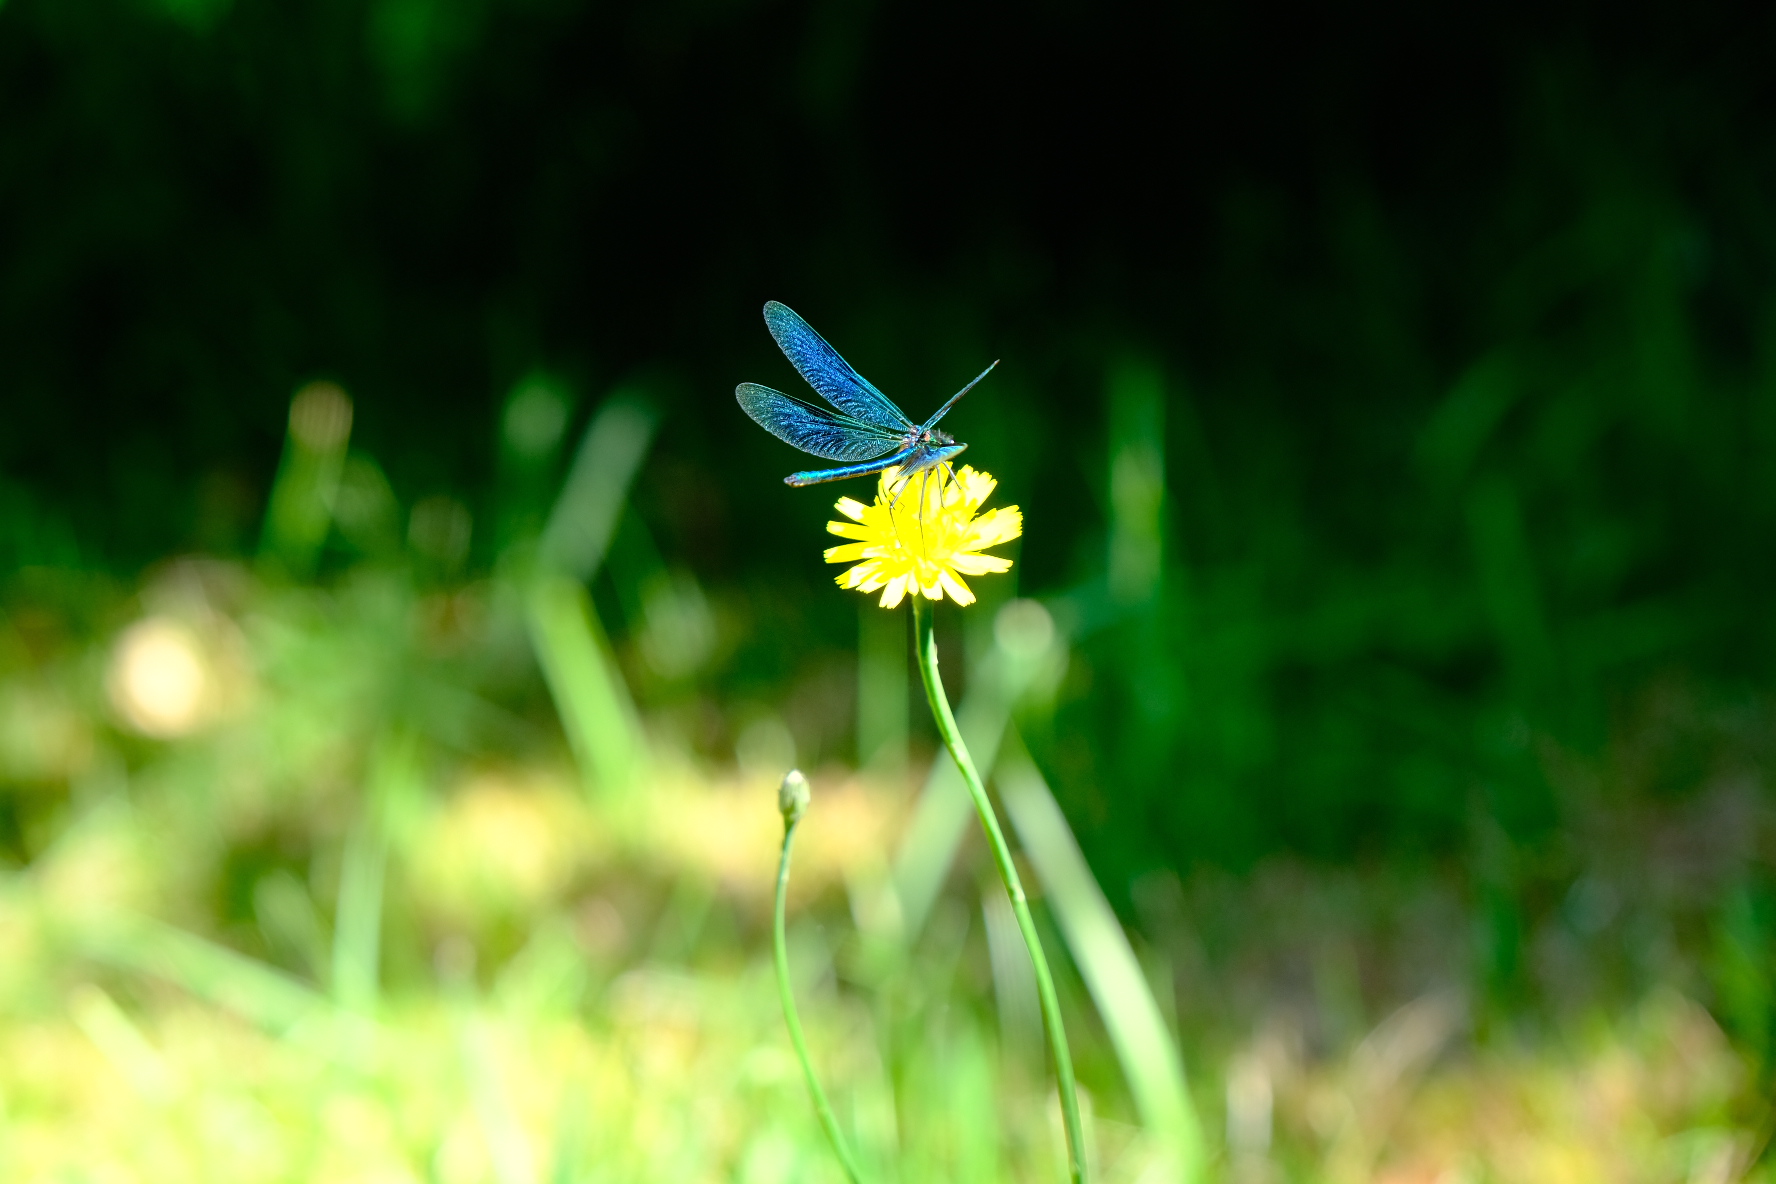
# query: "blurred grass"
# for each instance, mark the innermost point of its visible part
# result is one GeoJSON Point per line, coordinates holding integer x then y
{"type": "Point", "coordinates": [311, 880]}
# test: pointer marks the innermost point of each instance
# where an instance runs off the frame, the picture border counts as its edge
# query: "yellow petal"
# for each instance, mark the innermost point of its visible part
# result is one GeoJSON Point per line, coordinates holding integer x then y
{"type": "Point", "coordinates": [995, 527]}
{"type": "Point", "coordinates": [861, 575]}
{"type": "Point", "coordinates": [850, 508]}
{"type": "Point", "coordinates": [849, 551]}
{"type": "Point", "coordinates": [957, 589]}
{"type": "Point", "coordinates": [971, 564]}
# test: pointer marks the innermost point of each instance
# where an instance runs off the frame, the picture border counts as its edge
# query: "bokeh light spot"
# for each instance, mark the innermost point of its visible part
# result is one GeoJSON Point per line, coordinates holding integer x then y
{"type": "Point", "coordinates": [160, 683]}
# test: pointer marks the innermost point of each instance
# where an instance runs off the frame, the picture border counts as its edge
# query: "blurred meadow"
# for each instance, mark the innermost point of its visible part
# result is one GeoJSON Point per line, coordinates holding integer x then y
{"type": "Point", "coordinates": [403, 632]}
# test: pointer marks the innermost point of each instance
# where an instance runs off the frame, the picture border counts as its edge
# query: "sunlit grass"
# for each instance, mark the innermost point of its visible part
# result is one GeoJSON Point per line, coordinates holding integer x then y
{"type": "Point", "coordinates": [574, 986]}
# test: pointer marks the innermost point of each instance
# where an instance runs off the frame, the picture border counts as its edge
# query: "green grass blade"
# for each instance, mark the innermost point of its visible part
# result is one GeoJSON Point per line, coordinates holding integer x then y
{"type": "Point", "coordinates": [1148, 1054]}
{"type": "Point", "coordinates": [589, 692]}
{"type": "Point", "coordinates": [357, 929]}
{"type": "Point", "coordinates": [585, 515]}
{"type": "Point", "coordinates": [301, 508]}
{"type": "Point", "coordinates": [267, 997]}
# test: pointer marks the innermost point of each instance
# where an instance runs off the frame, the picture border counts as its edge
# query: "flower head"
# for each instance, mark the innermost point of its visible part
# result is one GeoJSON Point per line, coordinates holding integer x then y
{"type": "Point", "coordinates": [922, 536]}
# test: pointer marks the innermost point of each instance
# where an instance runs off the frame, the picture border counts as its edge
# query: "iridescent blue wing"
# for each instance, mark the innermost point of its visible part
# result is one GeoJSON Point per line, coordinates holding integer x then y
{"type": "Point", "coordinates": [830, 374]}
{"type": "Point", "coordinates": [835, 437]}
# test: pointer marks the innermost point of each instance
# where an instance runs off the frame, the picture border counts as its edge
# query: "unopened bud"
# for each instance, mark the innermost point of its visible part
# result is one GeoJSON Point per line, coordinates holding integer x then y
{"type": "Point", "coordinates": [792, 797]}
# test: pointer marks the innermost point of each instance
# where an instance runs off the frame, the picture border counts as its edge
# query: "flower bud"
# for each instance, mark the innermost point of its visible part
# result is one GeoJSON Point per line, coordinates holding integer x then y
{"type": "Point", "coordinates": [792, 797]}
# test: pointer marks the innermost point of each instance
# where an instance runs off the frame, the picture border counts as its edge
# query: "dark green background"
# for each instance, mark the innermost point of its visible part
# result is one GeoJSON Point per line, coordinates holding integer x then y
{"type": "Point", "coordinates": [1463, 316]}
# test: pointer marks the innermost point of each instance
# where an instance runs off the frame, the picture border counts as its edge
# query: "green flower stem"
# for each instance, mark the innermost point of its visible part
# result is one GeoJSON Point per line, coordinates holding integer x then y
{"type": "Point", "coordinates": [926, 643]}
{"type": "Point", "coordinates": [821, 1107]}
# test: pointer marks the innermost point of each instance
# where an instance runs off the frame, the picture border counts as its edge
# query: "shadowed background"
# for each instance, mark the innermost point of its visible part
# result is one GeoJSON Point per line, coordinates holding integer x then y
{"type": "Point", "coordinates": [1458, 324]}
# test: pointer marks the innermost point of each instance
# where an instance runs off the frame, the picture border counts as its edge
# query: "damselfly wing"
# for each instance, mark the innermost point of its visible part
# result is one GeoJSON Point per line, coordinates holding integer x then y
{"type": "Point", "coordinates": [865, 429]}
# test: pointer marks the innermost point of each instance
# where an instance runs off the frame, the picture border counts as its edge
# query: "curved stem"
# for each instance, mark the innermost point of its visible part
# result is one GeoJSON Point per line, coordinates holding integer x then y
{"type": "Point", "coordinates": [784, 993]}
{"type": "Point", "coordinates": [926, 644]}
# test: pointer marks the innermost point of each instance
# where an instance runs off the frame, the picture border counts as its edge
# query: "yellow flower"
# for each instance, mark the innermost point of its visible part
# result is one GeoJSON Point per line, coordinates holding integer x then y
{"type": "Point", "coordinates": [922, 536]}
